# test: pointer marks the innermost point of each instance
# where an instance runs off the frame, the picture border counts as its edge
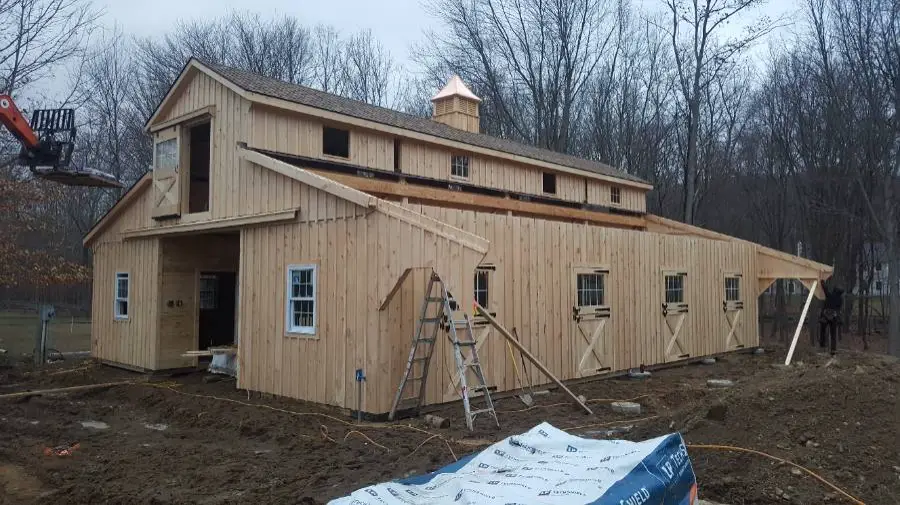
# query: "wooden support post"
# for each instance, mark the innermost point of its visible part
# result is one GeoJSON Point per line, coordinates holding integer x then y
{"type": "Point", "coordinates": [812, 291]}
{"type": "Point", "coordinates": [503, 331]}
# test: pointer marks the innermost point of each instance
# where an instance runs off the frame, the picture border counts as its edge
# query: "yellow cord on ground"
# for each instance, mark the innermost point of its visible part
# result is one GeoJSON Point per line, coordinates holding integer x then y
{"type": "Point", "coordinates": [850, 497]}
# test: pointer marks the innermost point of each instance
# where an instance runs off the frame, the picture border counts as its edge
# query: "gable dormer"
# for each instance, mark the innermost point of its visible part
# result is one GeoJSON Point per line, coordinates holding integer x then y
{"type": "Point", "coordinates": [457, 106]}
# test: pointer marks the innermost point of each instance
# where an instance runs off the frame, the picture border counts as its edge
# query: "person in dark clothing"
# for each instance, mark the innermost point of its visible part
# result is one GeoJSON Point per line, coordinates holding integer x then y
{"type": "Point", "coordinates": [830, 317]}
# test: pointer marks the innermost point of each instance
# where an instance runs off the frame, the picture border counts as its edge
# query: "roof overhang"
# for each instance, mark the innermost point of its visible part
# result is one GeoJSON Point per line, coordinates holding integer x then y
{"type": "Point", "coordinates": [771, 264]}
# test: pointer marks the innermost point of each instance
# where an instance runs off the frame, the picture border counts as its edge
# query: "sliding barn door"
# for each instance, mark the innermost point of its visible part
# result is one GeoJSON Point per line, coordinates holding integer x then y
{"type": "Point", "coordinates": [166, 186]}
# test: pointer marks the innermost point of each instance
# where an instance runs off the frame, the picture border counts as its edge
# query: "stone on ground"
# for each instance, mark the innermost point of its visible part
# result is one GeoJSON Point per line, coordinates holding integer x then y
{"type": "Point", "coordinates": [626, 407]}
{"type": "Point", "coordinates": [157, 427]}
{"type": "Point", "coordinates": [708, 361]}
{"type": "Point", "coordinates": [719, 383]}
{"type": "Point", "coordinates": [95, 425]}
{"type": "Point", "coordinates": [759, 350]}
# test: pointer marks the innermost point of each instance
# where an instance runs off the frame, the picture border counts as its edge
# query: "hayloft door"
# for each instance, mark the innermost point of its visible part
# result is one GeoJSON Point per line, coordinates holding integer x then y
{"type": "Point", "coordinates": [166, 188]}
{"type": "Point", "coordinates": [590, 314]}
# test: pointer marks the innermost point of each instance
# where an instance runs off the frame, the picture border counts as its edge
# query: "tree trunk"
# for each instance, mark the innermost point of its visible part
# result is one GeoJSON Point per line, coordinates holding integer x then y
{"type": "Point", "coordinates": [890, 229]}
{"type": "Point", "coordinates": [690, 167]}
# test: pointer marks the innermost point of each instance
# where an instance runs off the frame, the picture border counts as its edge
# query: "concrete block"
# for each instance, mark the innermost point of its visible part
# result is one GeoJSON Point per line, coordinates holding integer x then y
{"type": "Point", "coordinates": [630, 408]}
{"type": "Point", "coordinates": [719, 383]}
{"type": "Point", "coordinates": [708, 361]}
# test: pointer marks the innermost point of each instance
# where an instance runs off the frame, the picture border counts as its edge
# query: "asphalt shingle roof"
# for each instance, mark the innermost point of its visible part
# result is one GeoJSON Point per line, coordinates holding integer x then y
{"type": "Point", "coordinates": [319, 99]}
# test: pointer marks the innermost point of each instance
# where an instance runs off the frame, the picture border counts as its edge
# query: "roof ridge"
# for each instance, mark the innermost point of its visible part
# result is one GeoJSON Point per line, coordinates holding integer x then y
{"type": "Point", "coordinates": [291, 92]}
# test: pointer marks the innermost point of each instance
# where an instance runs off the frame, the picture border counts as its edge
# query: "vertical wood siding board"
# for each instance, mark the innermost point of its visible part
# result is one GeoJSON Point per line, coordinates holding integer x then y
{"type": "Point", "coordinates": [371, 339]}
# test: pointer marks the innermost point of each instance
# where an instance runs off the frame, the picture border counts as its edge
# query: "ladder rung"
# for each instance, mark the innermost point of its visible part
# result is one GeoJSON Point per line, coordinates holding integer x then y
{"type": "Point", "coordinates": [432, 319]}
{"type": "Point", "coordinates": [413, 379]}
{"type": "Point", "coordinates": [427, 340]}
{"type": "Point", "coordinates": [482, 411]}
{"type": "Point", "coordinates": [435, 299]}
{"type": "Point", "coordinates": [460, 322]}
{"type": "Point", "coordinates": [466, 343]}
{"type": "Point", "coordinates": [420, 359]}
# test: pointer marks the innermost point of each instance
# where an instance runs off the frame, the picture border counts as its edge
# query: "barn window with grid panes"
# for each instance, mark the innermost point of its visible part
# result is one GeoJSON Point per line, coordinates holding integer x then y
{"type": "Point", "coordinates": [615, 195]}
{"type": "Point", "coordinates": [732, 288]}
{"type": "Point", "coordinates": [301, 299]}
{"type": "Point", "coordinates": [674, 288]}
{"type": "Point", "coordinates": [166, 155]}
{"type": "Point", "coordinates": [590, 289]}
{"type": "Point", "coordinates": [482, 283]}
{"type": "Point", "coordinates": [459, 166]}
{"type": "Point", "coordinates": [209, 292]}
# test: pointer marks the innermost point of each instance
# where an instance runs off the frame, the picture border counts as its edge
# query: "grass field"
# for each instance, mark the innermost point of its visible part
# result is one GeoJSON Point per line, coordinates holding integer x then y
{"type": "Point", "coordinates": [18, 331]}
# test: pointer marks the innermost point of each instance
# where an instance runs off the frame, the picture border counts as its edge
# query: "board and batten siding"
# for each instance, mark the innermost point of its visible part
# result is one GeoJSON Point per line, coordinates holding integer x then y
{"type": "Point", "coordinates": [300, 135]}
{"type": "Point", "coordinates": [533, 291]}
{"type": "Point", "coordinates": [359, 256]}
{"type": "Point", "coordinates": [130, 341]}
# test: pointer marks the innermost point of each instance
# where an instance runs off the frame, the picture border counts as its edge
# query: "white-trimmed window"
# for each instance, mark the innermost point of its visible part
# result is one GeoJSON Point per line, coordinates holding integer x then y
{"type": "Point", "coordinates": [166, 154]}
{"type": "Point", "coordinates": [732, 288]}
{"type": "Point", "coordinates": [674, 288]}
{"type": "Point", "coordinates": [590, 289]}
{"type": "Point", "coordinates": [301, 299]}
{"type": "Point", "coordinates": [459, 166]}
{"type": "Point", "coordinates": [123, 286]}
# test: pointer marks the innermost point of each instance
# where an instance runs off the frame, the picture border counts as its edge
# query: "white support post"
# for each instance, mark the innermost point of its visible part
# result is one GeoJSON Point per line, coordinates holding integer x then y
{"type": "Point", "coordinates": [812, 291]}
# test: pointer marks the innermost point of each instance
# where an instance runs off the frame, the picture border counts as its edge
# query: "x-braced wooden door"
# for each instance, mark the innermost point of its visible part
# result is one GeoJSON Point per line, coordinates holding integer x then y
{"type": "Point", "coordinates": [733, 309]}
{"type": "Point", "coordinates": [674, 313]}
{"type": "Point", "coordinates": [590, 315]}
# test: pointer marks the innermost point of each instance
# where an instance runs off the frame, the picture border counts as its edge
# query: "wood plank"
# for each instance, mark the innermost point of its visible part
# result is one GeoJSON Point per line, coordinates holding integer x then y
{"type": "Point", "coordinates": [447, 197]}
{"type": "Point", "coordinates": [515, 343]}
{"type": "Point", "coordinates": [223, 224]}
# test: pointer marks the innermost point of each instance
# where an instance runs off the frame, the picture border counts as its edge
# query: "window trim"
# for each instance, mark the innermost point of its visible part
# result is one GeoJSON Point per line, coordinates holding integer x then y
{"type": "Point", "coordinates": [116, 298]}
{"type": "Point", "coordinates": [739, 278]}
{"type": "Point", "coordinates": [683, 304]}
{"type": "Point", "coordinates": [349, 142]}
{"type": "Point", "coordinates": [289, 328]}
{"type": "Point", "coordinates": [468, 167]}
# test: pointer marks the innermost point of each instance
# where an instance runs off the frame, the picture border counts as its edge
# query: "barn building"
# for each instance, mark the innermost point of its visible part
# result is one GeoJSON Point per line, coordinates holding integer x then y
{"type": "Point", "coordinates": [302, 227]}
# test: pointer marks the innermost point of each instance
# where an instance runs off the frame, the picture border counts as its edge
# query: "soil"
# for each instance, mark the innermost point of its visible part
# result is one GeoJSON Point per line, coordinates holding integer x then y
{"type": "Point", "coordinates": [183, 440]}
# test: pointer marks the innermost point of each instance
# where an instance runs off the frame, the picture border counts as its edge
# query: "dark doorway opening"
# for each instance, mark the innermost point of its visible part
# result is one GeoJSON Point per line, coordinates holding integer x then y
{"type": "Point", "coordinates": [217, 308]}
{"type": "Point", "coordinates": [198, 191]}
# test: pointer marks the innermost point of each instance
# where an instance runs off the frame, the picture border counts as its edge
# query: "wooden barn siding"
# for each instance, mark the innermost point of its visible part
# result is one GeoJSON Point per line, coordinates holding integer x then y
{"type": "Point", "coordinates": [132, 341]}
{"type": "Point", "coordinates": [280, 131]}
{"type": "Point", "coordinates": [182, 260]}
{"type": "Point", "coordinates": [532, 290]}
{"type": "Point", "coordinates": [598, 193]}
{"type": "Point", "coordinates": [359, 260]}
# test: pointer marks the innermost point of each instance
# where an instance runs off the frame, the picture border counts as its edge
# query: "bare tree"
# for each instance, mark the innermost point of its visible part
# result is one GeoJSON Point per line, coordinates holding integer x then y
{"type": "Point", "coordinates": [701, 59]}
{"type": "Point", "coordinates": [530, 60]}
{"type": "Point", "coordinates": [38, 35]}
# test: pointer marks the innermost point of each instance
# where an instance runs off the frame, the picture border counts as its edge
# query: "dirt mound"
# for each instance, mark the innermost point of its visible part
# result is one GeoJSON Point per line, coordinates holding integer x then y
{"type": "Point", "coordinates": [186, 441]}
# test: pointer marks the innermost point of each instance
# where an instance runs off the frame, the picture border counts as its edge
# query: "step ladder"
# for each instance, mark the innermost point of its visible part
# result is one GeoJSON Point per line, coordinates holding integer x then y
{"type": "Point", "coordinates": [437, 313]}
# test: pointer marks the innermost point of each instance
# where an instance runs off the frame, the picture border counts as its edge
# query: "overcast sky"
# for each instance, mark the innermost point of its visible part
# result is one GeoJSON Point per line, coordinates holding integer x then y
{"type": "Point", "coordinates": [396, 23]}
